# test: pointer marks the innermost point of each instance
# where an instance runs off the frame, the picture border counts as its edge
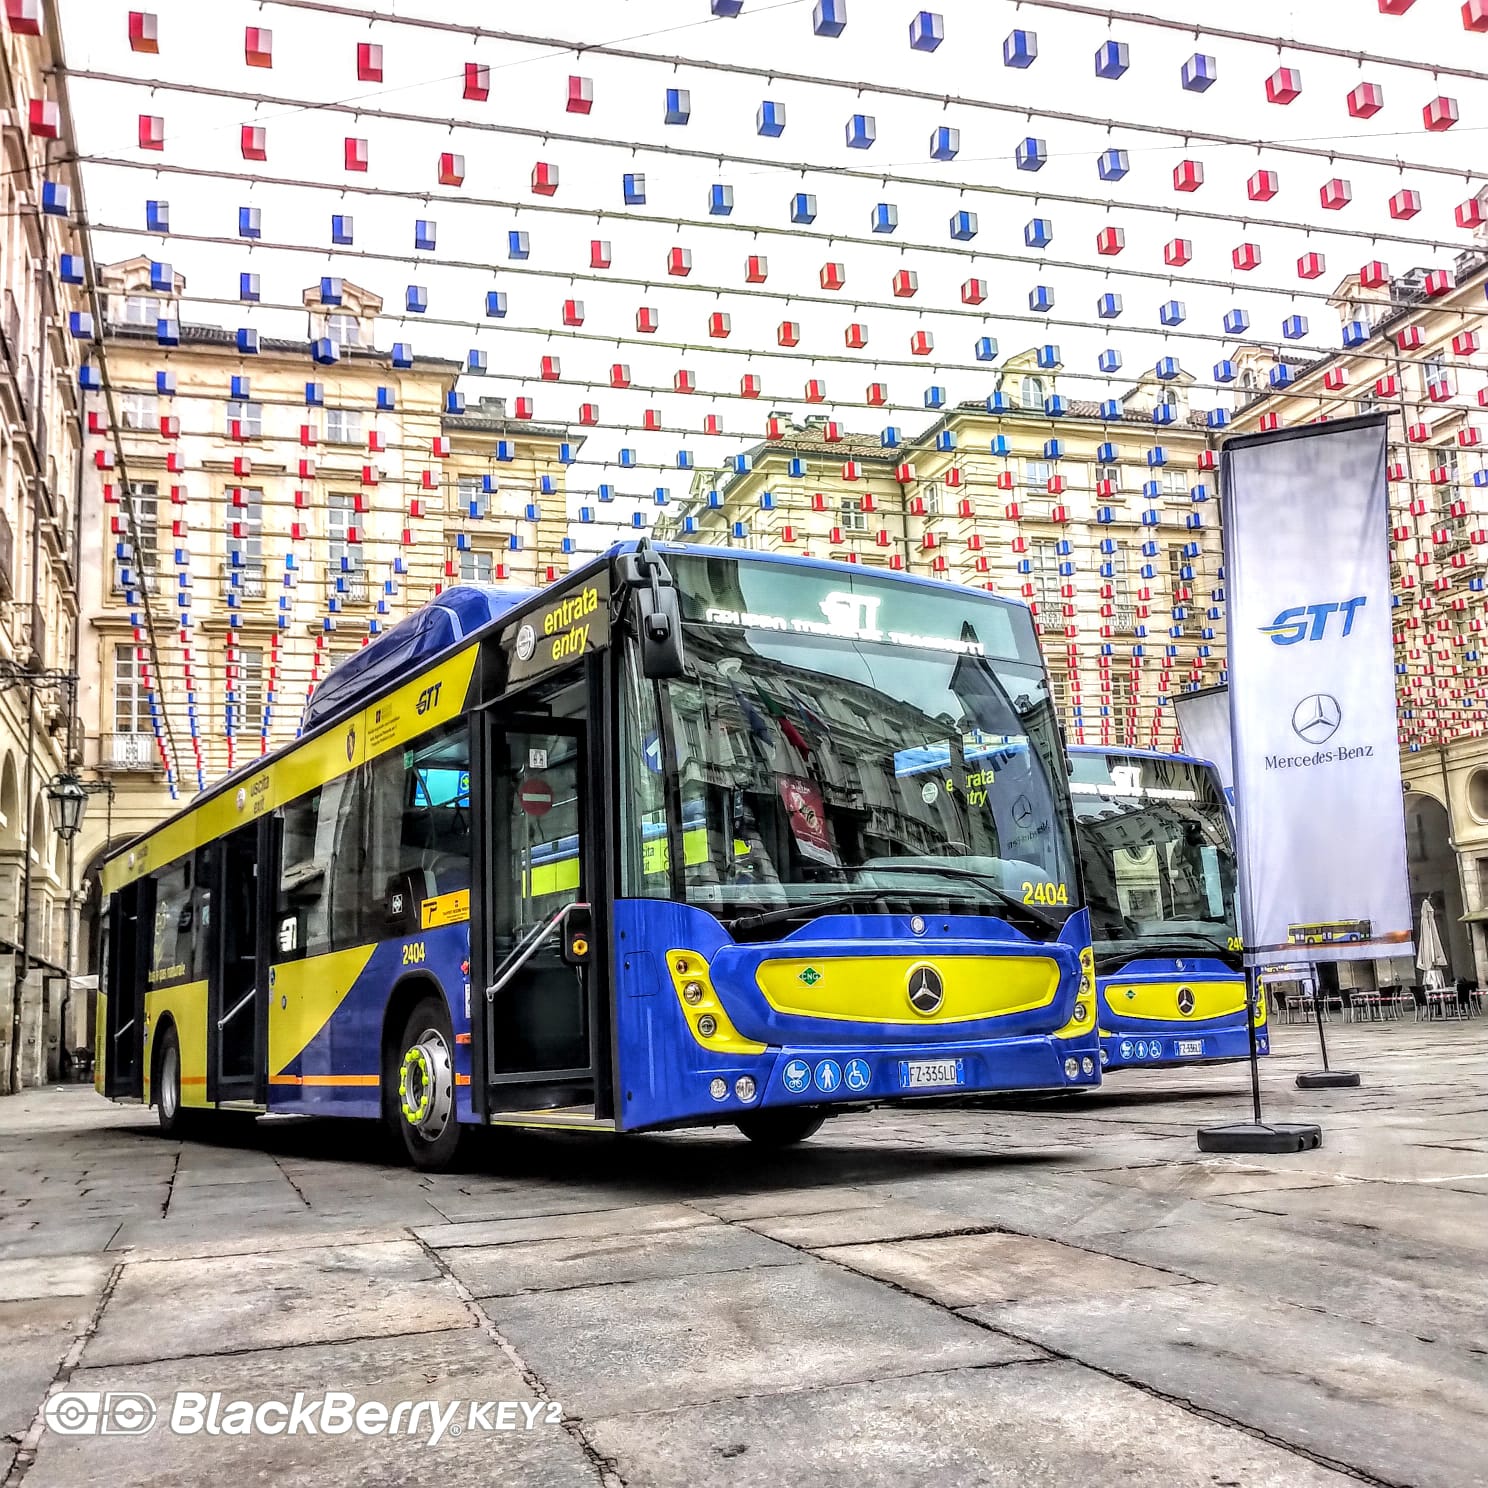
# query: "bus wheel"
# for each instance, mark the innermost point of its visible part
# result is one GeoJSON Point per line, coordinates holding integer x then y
{"type": "Point", "coordinates": [175, 1119]}
{"type": "Point", "coordinates": [423, 1104]}
{"type": "Point", "coordinates": [780, 1128]}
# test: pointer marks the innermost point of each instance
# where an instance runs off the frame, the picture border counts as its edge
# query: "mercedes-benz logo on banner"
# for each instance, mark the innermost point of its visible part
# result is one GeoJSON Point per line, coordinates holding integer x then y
{"type": "Point", "coordinates": [1316, 718]}
{"type": "Point", "coordinates": [1185, 1000]}
{"type": "Point", "coordinates": [926, 990]}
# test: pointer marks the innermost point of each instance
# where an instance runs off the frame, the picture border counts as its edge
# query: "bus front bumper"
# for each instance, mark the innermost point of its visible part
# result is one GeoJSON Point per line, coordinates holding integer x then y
{"type": "Point", "coordinates": [1135, 1048]}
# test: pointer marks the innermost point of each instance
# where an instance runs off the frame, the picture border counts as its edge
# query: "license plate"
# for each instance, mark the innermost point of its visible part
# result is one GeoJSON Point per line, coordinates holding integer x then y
{"type": "Point", "coordinates": [1190, 1046]}
{"type": "Point", "coordinates": [922, 1074]}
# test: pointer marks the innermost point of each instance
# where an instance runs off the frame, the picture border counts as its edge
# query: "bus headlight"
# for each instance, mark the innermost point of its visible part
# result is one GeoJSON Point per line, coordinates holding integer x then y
{"type": "Point", "coordinates": [707, 1025]}
{"type": "Point", "coordinates": [1088, 1065]}
{"type": "Point", "coordinates": [744, 1087]}
{"type": "Point", "coordinates": [718, 1089]}
{"type": "Point", "coordinates": [1082, 1011]}
{"type": "Point", "coordinates": [1071, 1068]}
{"type": "Point", "coordinates": [692, 992]}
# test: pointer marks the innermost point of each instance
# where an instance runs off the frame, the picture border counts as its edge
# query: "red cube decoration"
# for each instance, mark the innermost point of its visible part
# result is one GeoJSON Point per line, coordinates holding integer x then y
{"type": "Point", "coordinates": [922, 343]}
{"type": "Point", "coordinates": [1188, 175]}
{"type": "Point", "coordinates": [307, 436]}
{"type": "Point", "coordinates": [1177, 252]}
{"type": "Point", "coordinates": [1374, 275]}
{"type": "Point", "coordinates": [620, 375]}
{"type": "Point", "coordinates": [144, 31]}
{"type": "Point", "coordinates": [1311, 266]}
{"type": "Point", "coordinates": [857, 336]}
{"type": "Point", "coordinates": [1395, 7]}
{"type": "Point", "coordinates": [439, 446]}
{"type": "Point", "coordinates": [816, 390]}
{"type": "Point", "coordinates": [477, 81]}
{"type": "Point", "coordinates": [878, 394]}
{"type": "Point", "coordinates": [589, 414]}
{"type": "Point", "coordinates": [258, 46]}
{"type": "Point", "coordinates": [756, 268]}
{"type": "Point", "coordinates": [684, 382]}
{"type": "Point", "coordinates": [375, 442]}
{"type": "Point", "coordinates": [1336, 194]}
{"type": "Point", "coordinates": [1269, 421]}
{"type": "Point", "coordinates": [1365, 101]}
{"type": "Point", "coordinates": [1470, 437]}
{"type": "Point", "coordinates": [749, 385]}
{"type": "Point", "coordinates": [1410, 338]}
{"type": "Point", "coordinates": [1246, 257]}
{"type": "Point", "coordinates": [1441, 113]}
{"type": "Point", "coordinates": [1469, 213]}
{"type": "Point", "coordinates": [369, 62]}
{"type": "Point", "coordinates": [255, 142]}
{"type": "Point", "coordinates": [720, 323]}
{"type": "Point", "coordinates": [356, 154]}
{"type": "Point", "coordinates": [1284, 85]}
{"type": "Point", "coordinates": [1110, 240]}
{"type": "Point", "coordinates": [600, 256]}
{"type": "Point", "coordinates": [44, 119]}
{"type": "Point", "coordinates": [651, 420]}
{"type": "Point", "coordinates": [551, 369]}
{"type": "Point", "coordinates": [306, 467]}
{"type": "Point", "coordinates": [580, 95]}
{"type": "Point", "coordinates": [1387, 386]}
{"type": "Point", "coordinates": [544, 179]}
{"type": "Point", "coordinates": [833, 275]}
{"type": "Point", "coordinates": [1475, 15]}
{"type": "Point", "coordinates": [1465, 343]}
{"type": "Point", "coordinates": [1405, 204]}
{"type": "Point", "coordinates": [151, 131]}
{"type": "Point", "coordinates": [852, 470]}
{"type": "Point", "coordinates": [647, 319]}
{"type": "Point", "coordinates": [1438, 282]}
{"type": "Point", "coordinates": [1262, 186]}
{"type": "Point", "coordinates": [713, 424]}
{"type": "Point", "coordinates": [1335, 379]}
{"type": "Point", "coordinates": [451, 169]}
{"type": "Point", "coordinates": [1417, 433]}
{"type": "Point", "coordinates": [679, 262]}
{"type": "Point", "coordinates": [573, 312]}
{"type": "Point", "coordinates": [524, 408]}
{"type": "Point", "coordinates": [1208, 459]}
{"type": "Point", "coordinates": [974, 291]}
{"type": "Point", "coordinates": [789, 333]}
{"type": "Point", "coordinates": [906, 284]}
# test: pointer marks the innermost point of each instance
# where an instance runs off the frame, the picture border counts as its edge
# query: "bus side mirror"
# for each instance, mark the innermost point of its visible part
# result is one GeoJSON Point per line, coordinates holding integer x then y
{"type": "Point", "coordinates": [578, 935]}
{"type": "Point", "coordinates": [660, 617]}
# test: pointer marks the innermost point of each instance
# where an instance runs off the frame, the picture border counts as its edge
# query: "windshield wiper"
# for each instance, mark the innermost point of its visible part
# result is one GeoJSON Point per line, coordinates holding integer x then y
{"type": "Point", "coordinates": [1176, 938]}
{"type": "Point", "coordinates": [811, 907]}
{"type": "Point", "coordinates": [1033, 912]}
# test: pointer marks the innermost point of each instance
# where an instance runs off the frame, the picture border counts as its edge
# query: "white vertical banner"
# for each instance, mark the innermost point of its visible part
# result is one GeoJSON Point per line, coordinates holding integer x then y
{"type": "Point", "coordinates": [1204, 726]}
{"type": "Point", "coordinates": [1321, 821]}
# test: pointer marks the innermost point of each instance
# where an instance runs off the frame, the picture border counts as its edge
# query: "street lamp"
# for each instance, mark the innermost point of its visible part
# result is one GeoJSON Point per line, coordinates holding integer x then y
{"type": "Point", "coordinates": [68, 800]}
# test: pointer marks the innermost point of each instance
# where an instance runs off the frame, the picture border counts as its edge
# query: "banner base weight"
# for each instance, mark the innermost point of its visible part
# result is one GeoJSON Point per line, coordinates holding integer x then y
{"type": "Point", "coordinates": [1256, 1136]}
{"type": "Point", "coordinates": [1327, 1079]}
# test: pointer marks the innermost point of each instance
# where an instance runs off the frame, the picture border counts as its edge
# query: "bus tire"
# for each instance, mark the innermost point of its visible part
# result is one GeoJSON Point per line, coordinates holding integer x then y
{"type": "Point", "coordinates": [165, 1087]}
{"type": "Point", "coordinates": [780, 1128]}
{"type": "Point", "coordinates": [421, 1100]}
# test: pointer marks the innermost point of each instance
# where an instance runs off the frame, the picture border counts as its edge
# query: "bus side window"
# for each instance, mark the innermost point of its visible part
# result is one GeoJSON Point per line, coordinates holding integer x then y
{"type": "Point", "coordinates": [170, 952]}
{"type": "Point", "coordinates": [646, 867]}
{"type": "Point", "coordinates": [300, 920]}
{"type": "Point", "coordinates": [201, 907]}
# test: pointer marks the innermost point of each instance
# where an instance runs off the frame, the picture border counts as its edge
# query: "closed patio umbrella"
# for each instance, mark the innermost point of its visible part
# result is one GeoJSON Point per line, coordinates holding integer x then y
{"type": "Point", "coordinates": [1431, 958]}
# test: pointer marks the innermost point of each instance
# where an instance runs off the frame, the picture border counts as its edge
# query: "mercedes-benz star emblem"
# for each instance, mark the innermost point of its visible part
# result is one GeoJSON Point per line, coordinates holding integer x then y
{"type": "Point", "coordinates": [926, 990]}
{"type": "Point", "coordinates": [1185, 1000]}
{"type": "Point", "coordinates": [1316, 718]}
{"type": "Point", "coordinates": [1022, 812]}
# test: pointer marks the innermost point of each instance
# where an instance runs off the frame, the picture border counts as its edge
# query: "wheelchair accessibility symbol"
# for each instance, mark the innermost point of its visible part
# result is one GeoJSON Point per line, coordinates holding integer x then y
{"type": "Point", "coordinates": [857, 1074]}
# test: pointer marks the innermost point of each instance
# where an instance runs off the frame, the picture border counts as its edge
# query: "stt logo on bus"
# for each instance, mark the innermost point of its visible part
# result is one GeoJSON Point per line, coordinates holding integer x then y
{"type": "Point", "coordinates": [428, 698]}
{"type": "Point", "coordinates": [1311, 622]}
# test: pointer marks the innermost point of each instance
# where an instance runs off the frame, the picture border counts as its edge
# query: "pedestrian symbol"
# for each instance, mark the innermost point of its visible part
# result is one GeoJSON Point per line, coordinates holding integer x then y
{"type": "Point", "coordinates": [828, 1076]}
{"type": "Point", "coordinates": [857, 1074]}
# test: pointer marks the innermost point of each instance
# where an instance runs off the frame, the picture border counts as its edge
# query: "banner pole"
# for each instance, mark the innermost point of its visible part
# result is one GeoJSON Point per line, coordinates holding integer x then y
{"type": "Point", "coordinates": [1251, 976]}
{"type": "Point", "coordinates": [1325, 1078]}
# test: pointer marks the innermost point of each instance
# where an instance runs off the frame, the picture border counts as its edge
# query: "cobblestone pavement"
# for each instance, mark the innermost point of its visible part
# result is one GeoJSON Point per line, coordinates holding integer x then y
{"type": "Point", "coordinates": [1057, 1291]}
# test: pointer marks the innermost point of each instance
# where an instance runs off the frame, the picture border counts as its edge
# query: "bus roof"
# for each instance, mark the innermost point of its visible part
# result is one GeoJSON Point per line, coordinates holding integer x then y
{"type": "Point", "coordinates": [1152, 754]}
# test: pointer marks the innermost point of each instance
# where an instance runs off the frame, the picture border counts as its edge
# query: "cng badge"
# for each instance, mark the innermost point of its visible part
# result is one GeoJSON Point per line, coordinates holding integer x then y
{"type": "Point", "coordinates": [809, 975]}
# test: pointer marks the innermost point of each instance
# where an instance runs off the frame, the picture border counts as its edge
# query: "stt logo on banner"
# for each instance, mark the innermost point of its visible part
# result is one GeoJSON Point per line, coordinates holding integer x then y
{"type": "Point", "coordinates": [1321, 826]}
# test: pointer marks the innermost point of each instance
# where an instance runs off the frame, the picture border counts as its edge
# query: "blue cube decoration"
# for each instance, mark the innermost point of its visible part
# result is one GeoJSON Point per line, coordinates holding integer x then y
{"type": "Point", "coordinates": [740, 464]}
{"type": "Point", "coordinates": [1040, 299]}
{"type": "Point", "coordinates": [323, 351]}
{"type": "Point", "coordinates": [661, 495]}
{"type": "Point", "coordinates": [1164, 413]}
{"type": "Point", "coordinates": [331, 289]}
{"type": "Point", "coordinates": [627, 458]}
{"type": "Point", "coordinates": [862, 130]}
{"type": "Point", "coordinates": [1236, 322]}
{"type": "Point", "coordinates": [829, 18]}
{"type": "Point", "coordinates": [56, 198]}
{"type": "Point", "coordinates": [892, 437]}
{"type": "Point", "coordinates": [678, 106]}
{"type": "Point", "coordinates": [70, 268]}
{"type": "Point", "coordinates": [1109, 306]}
{"type": "Point", "coordinates": [1199, 72]}
{"type": "Point", "coordinates": [770, 119]}
{"type": "Point", "coordinates": [1157, 457]}
{"type": "Point", "coordinates": [1294, 327]}
{"type": "Point", "coordinates": [1105, 454]}
{"type": "Point", "coordinates": [964, 226]}
{"type": "Point", "coordinates": [157, 216]}
{"type": "Point", "coordinates": [315, 395]}
{"type": "Point", "coordinates": [249, 288]}
{"type": "Point", "coordinates": [684, 460]}
{"type": "Point", "coordinates": [927, 31]}
{"type": "Point", "coordinates": [1047, 357]}
{"type": "Point", "coordinates": [935, 397]}
{"type": "Point", "coordinates": [1056, 405]}
{"type": "Point", "coordinates": [1038, 232]}
{"type": "Point", "coordinates": [402, 354]}
{"type": "Point", "coordinates": [518, 245]}
{"type": "Point", "coordinates": [341, 230]}
{"type": "Point", "coordinates": [803, 208]}
{"type": "Point", "coordinates": [999, 402]}
{"type": "Point", "coordinates": [633, 188]}
{"type": "Point", "coordinates": [165, 384]}
{"type": "Point", "coordinates": [796, 468]}
{"type": "Point", "coordinates": [1216, 418]}
{"type": "Point", "coordinates": [1113, 164]}
{"type": "Point", "coordinates": [496, 303]}
{"type": "Point", "coordinates": [250, 222]}
{"type": "Point", "coordinates": [1109, 360]}
{"type": "Point", "coordinates": [885, 217]}
{"type": "Point", "coordinates": [387, 401]}
{"type": "Point", "coordinates": [425, 234]}
{"type": "Point", "coordinates": [454, 402]}
{"type": "Point", "coordinates": [1112, 58]}
{"type": "Point", "coordinates": [1019, 49]}
{"type": "Point", "coordinates": [945, 441]}
{"type": "Point", "coordinates": [945, 143]}
{"type": "Point", "coordinates": [986, 349]}
{"type": "Point", "coordinates": [1053, 449]}
{"type": "Point", "coordinates": [767, 501]}
{"type": "Point", "coordinates": [728, 8]}
{"type": "Point", "coordinates": [720, 200]}
{"type": "Point", "coordinates": [1167, 368]}
{"type": "Point", "coordinates": [167, 332]}
{"type": "Point", "coordinates": [1355, 333]}
{"type": "Point", "coordinates": [1224, 371]}
{"type": "Point", "coordinates": [1032, 153]}
{"type": "Point", "coordinates": [247, 340]}
{"type": "Point", "coordinates": [416, 299]}
{"type": "Point", "coordinates": [476, 362]}
{"type": "Point", "coordinates": [567, 453]}
{"type": "Point", "coordinates": [1173, 313]}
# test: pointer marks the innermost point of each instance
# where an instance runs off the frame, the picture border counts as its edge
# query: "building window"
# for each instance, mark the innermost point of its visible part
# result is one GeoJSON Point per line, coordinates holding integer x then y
{"type": "Point", "coordinates": [1031, 395]}
{"type": "Point", "coordinates": [472, 495]}
{"type": "Point", "coordinates": [1174, 482]}
{"type": "Point", "coordinates": [249, 418]}
{"type": "Point", "coordinates": [245, 569]}
{"type": "Point", "coordinates": [851, 515]}
{"type": "Point", "coordinates": [144, 310]}
{"type": "Point", "coordinates": [247, 697]}
{"type": "Point", "coordinates": [140, 501]}
{"type": "Point", "coordinates": [476, 566]}
{"type": "Point", "coordinates": [931, 496]}
{"type": "Point", "coordinates": [1044, 562]}
{"type": "Point", "coordinates": [1111, 473]}
{"type": "Point", "coordinates": [1036, 475]}
{"type": "Point", "coordinates": [343, 426]}
{"type": "Point", "coordinates": [131, 702]}
{"type": "Point", "coordinates": [1123, 715]}
{"type": "Point", "coordinates": [344, 330]}
{"type": "Point", "coordinates": [139, 411]}
{"type": "Point", "coordinates": [340, 522]}
{"type": "Point", "coordinates": [1250, 381]}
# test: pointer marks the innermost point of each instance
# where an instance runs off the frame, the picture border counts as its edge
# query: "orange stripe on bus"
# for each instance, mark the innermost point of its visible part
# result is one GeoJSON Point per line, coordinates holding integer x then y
{"type": "Point", "coordinates": [462, 1079]}
{"type": "Point", "coordinates": [462, 1038]}
{"type": "Point", "coordinates": [324, 1080]}
{"type": "Point", "coordinates": [193, 1079]}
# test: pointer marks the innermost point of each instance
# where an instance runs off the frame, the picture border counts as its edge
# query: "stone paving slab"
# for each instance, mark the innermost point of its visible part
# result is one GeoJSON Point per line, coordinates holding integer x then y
{"type": "Point", "coordinates": [894, 1220]}
{"type": "Point", "coordinates": [52, 1276]}
{"type": "Point", "coordinates": [34, 1337]}
{"type": "Point", "coordinates": [1016, 1426]}
{"type": "Point", "coordinates": [642, 1218]}
{"type": "Point", "coordinates": [654, 1344]}
{"type": "Point", "coordinates": [172, 1309]}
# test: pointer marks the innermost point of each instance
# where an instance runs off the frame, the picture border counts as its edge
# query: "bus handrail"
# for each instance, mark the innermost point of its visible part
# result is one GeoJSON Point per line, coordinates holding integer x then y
{"type": "Point", "coordinates": [232, 1013]}
{"type": "Point", "coordinates": [524, 952]}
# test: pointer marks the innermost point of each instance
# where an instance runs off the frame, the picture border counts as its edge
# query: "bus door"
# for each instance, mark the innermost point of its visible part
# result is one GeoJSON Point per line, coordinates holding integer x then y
{"type": "Point", "coordinates": [537, 860]}
{"type": "Point", "coordinates": [238, 1005]}
{"type": "Point", "coordinates": [128, 943]}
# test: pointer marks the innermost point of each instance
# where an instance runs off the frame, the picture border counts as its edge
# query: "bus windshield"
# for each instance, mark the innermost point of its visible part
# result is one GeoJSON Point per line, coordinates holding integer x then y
{"type": "Point", "coordinates": [1157, 855]}
{"type": "Point", "coordinates": [827, 761]}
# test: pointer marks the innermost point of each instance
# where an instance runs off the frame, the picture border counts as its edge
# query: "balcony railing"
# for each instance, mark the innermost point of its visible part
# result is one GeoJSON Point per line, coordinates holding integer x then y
{"type": "Point", "coordinates": [7, 556]}
{"type": "Point", "coordinates": [246, 580]}
{"type": "Point", "coordinates": [127, 752]}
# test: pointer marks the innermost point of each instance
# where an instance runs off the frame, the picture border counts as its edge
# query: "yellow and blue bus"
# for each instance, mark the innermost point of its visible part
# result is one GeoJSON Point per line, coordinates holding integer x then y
{"type": "Point", "coordinates": [1158, 859]}
{"type": "Point", "coordinates": [691, 837]}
